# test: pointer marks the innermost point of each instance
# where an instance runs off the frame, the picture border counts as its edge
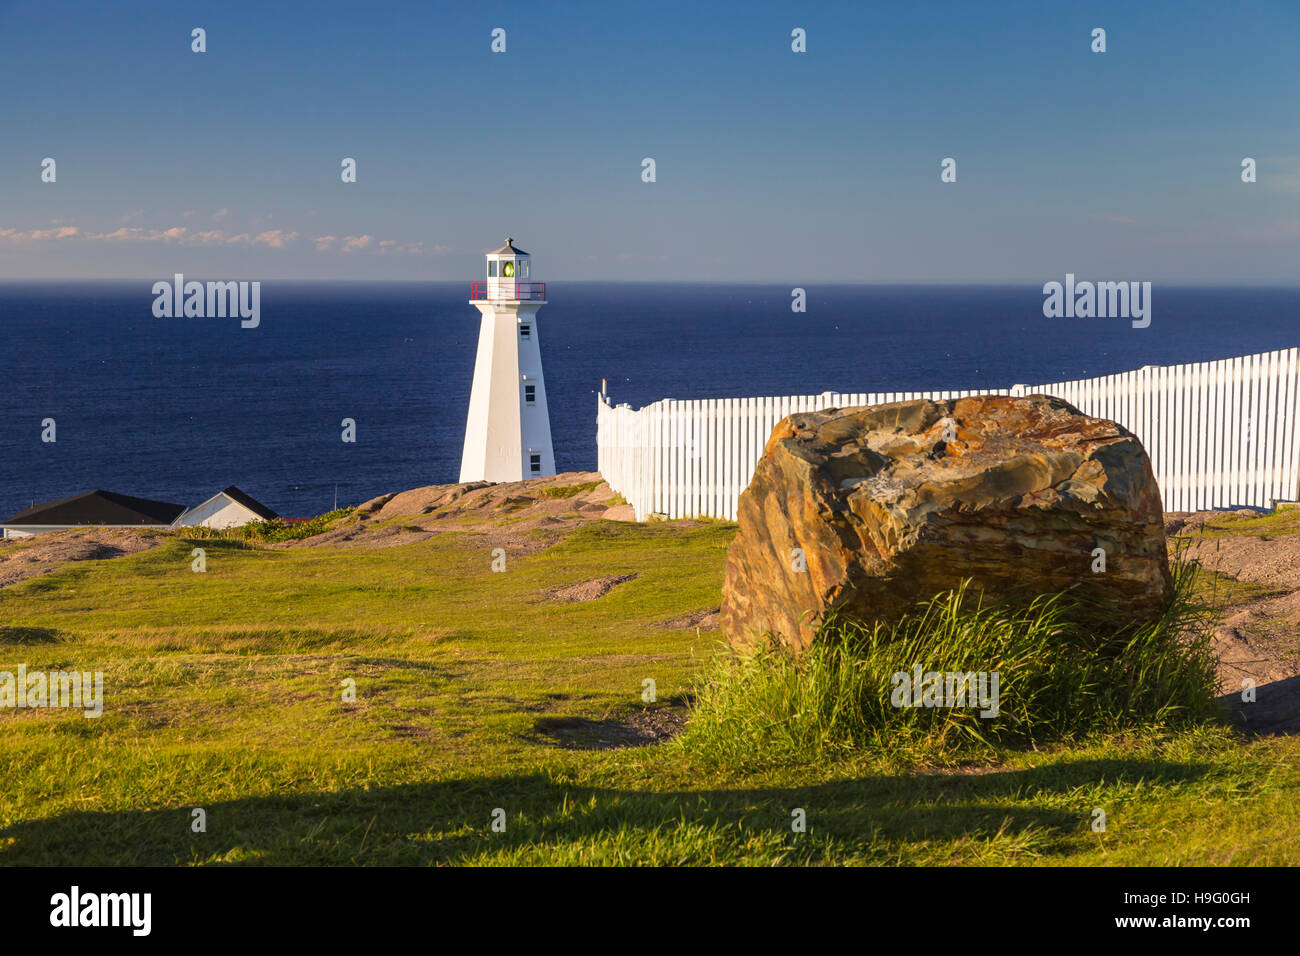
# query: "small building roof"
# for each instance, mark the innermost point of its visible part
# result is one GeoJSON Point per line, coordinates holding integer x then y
{"type": "Point", "coordinates": [99, 508]}
{"type": "Point", "coordinates": [508, 249]}
{"type": "Point", "coordinates": [249, 502]}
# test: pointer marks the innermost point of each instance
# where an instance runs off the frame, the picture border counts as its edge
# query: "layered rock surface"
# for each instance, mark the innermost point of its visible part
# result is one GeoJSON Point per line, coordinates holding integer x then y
{"type": "Point", "coordinates": [868, 510]}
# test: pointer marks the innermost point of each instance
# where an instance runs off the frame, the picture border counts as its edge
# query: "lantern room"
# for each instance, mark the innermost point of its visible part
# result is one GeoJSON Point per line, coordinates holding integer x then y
{"type": "Point", "coordinates": [508, 272]}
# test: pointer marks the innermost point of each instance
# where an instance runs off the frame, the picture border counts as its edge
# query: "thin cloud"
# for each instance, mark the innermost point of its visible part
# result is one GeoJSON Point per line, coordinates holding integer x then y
{"type": "Point", "coordinates": [138, 234]}
{"type": "Point", "coordinates": [270, 238]}
{"type": "Point", "coordinates": [40, 235]}
{"type": "Point", "coordinates": [275, 238]}
{"type": "Point", "coordinates": [413, 248]}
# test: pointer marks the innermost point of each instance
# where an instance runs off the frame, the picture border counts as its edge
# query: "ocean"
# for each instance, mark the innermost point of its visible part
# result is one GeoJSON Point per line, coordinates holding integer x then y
{"type": "Point", "coordinates": [179, 408]}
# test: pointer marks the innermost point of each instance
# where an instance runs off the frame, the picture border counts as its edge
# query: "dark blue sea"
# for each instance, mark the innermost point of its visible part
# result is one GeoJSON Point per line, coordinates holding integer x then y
{"type": "Point", "coordinates": [177, 409]}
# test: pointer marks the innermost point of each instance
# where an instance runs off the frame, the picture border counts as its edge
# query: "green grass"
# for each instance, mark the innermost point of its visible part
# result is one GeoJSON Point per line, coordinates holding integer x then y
{"type": "Point", "coordinates": [1222, 591]}
{"type": "Point", "coordinates": [1058, 679]}
{"type": "Point", "coordinates": [271, 531]}
{"type": "Point", "coordinates": [568, 491]}
{"type": "Point", "coordinates": [223, 692]}
{"type": "Point", "coordinates": [1270, 524]}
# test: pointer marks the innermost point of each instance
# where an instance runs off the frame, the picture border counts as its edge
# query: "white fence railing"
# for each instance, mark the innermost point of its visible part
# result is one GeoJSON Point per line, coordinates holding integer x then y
{"type": "Point", "coordinates": [1220, 434]}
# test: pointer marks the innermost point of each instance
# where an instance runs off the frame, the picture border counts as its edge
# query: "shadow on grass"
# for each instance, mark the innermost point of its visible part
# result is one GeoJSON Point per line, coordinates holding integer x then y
{"type": "Point", "coordinates": [882, 819]}
{"type": "Point", "coordinates": [21, 635]}
{"type": "Point", "coordinates": [1275, 709]}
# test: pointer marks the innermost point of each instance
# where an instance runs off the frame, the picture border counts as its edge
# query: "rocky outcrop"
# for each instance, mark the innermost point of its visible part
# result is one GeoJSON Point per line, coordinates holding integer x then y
{"type": "Point", "coordinates": [868, 510]}
{"type": "Point", "coordinates": [520, 516]}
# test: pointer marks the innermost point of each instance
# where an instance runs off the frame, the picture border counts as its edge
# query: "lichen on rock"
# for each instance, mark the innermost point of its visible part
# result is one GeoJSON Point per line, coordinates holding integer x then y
{"type": "Point", "coordinates": [869, 510]}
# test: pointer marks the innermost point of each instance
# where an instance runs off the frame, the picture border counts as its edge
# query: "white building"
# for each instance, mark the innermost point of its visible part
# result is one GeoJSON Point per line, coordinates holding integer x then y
{"type": "Point", "coordinates": [226, 509]}
{"type": "Point", "coordinates": [508, 433]}
{"type": "Point", "coordinates": [109, 509]}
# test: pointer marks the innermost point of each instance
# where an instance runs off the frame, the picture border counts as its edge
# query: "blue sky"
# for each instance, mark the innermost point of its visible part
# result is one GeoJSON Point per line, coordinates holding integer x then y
{"type": "Point", "coordinates": [771, 165]}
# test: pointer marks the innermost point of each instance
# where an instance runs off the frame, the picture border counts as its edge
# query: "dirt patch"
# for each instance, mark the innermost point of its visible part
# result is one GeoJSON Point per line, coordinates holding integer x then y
{"type": "Point", "coordinates": [706, 619]}
{"type": "Point", "coordinates": [522, 517]}
{"type": "Point", "coordinates": [1260, 634]}
{"type": "Point", "coordinates": [1193, 522]}
{"type": "Point", "coordinates": [1273, 562]}
{"type": "Point", "coordinates": [591, 590]}
{"type": "Point", "coordinates": [641, 728]}
{"type": "Point", "coordinates": [1258, 640]}
{"type": "Point", "coordinates": [1259, 637]}
{"type": "Point", "coordinates": [24, 558]}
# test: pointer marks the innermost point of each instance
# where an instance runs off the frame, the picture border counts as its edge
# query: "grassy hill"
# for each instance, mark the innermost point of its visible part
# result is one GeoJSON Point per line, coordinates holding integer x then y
{"type": "Point", "coordinates": [521, 691]}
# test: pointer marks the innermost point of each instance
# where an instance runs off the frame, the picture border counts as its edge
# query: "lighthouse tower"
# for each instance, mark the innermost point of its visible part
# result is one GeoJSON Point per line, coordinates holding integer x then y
{"type": "Point", "coordinates": [508, 435]}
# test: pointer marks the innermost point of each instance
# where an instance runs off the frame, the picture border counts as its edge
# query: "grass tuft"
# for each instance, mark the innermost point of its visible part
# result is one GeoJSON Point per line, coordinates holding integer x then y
{"type": "Point", "coordinates": [272, 531]}
{"type": "Point", "coordinates": [1058, 679]}
{"type": "Point", "coordinates": [569, 491]}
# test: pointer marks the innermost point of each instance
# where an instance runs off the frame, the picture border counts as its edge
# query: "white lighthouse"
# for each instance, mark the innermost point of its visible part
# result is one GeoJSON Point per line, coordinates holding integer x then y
{"type": "Point", "coordinates": [508, 435]}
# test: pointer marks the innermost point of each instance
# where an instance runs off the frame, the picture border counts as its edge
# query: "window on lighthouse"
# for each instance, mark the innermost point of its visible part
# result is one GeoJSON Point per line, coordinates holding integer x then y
{"type": "Point", "coordinates": [508, 270]}
{"type": "Point", "coordinates": [492, 268]}
{"type": "Point", "coordinates": [530, 394]}
{"type": "Point", "coordinates": [535, 463]}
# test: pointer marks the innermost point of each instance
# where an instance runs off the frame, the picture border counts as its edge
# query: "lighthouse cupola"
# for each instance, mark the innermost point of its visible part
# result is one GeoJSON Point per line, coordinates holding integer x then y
{"type": "Point", "coordinates": [508, 275]}
{"type": "Point", "coordinates": [508, 431]}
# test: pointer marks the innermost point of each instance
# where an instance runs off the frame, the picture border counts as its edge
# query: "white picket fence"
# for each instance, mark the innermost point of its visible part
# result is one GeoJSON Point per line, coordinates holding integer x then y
{"type": "Point", "coordinates": [1220, 434]}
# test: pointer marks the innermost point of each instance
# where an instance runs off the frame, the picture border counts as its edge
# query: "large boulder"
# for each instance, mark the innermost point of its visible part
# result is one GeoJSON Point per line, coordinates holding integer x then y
{"type": "Point", "coordinates": [891, 504]}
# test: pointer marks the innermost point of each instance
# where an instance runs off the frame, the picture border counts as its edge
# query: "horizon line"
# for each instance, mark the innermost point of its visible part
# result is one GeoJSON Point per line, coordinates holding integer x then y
{"type": "Point", "coordinates": [1202, 283]}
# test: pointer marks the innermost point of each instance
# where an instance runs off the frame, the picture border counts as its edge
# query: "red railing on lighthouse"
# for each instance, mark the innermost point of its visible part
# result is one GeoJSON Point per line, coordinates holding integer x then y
{"type": "Point", "coordinates": [508, 291]}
